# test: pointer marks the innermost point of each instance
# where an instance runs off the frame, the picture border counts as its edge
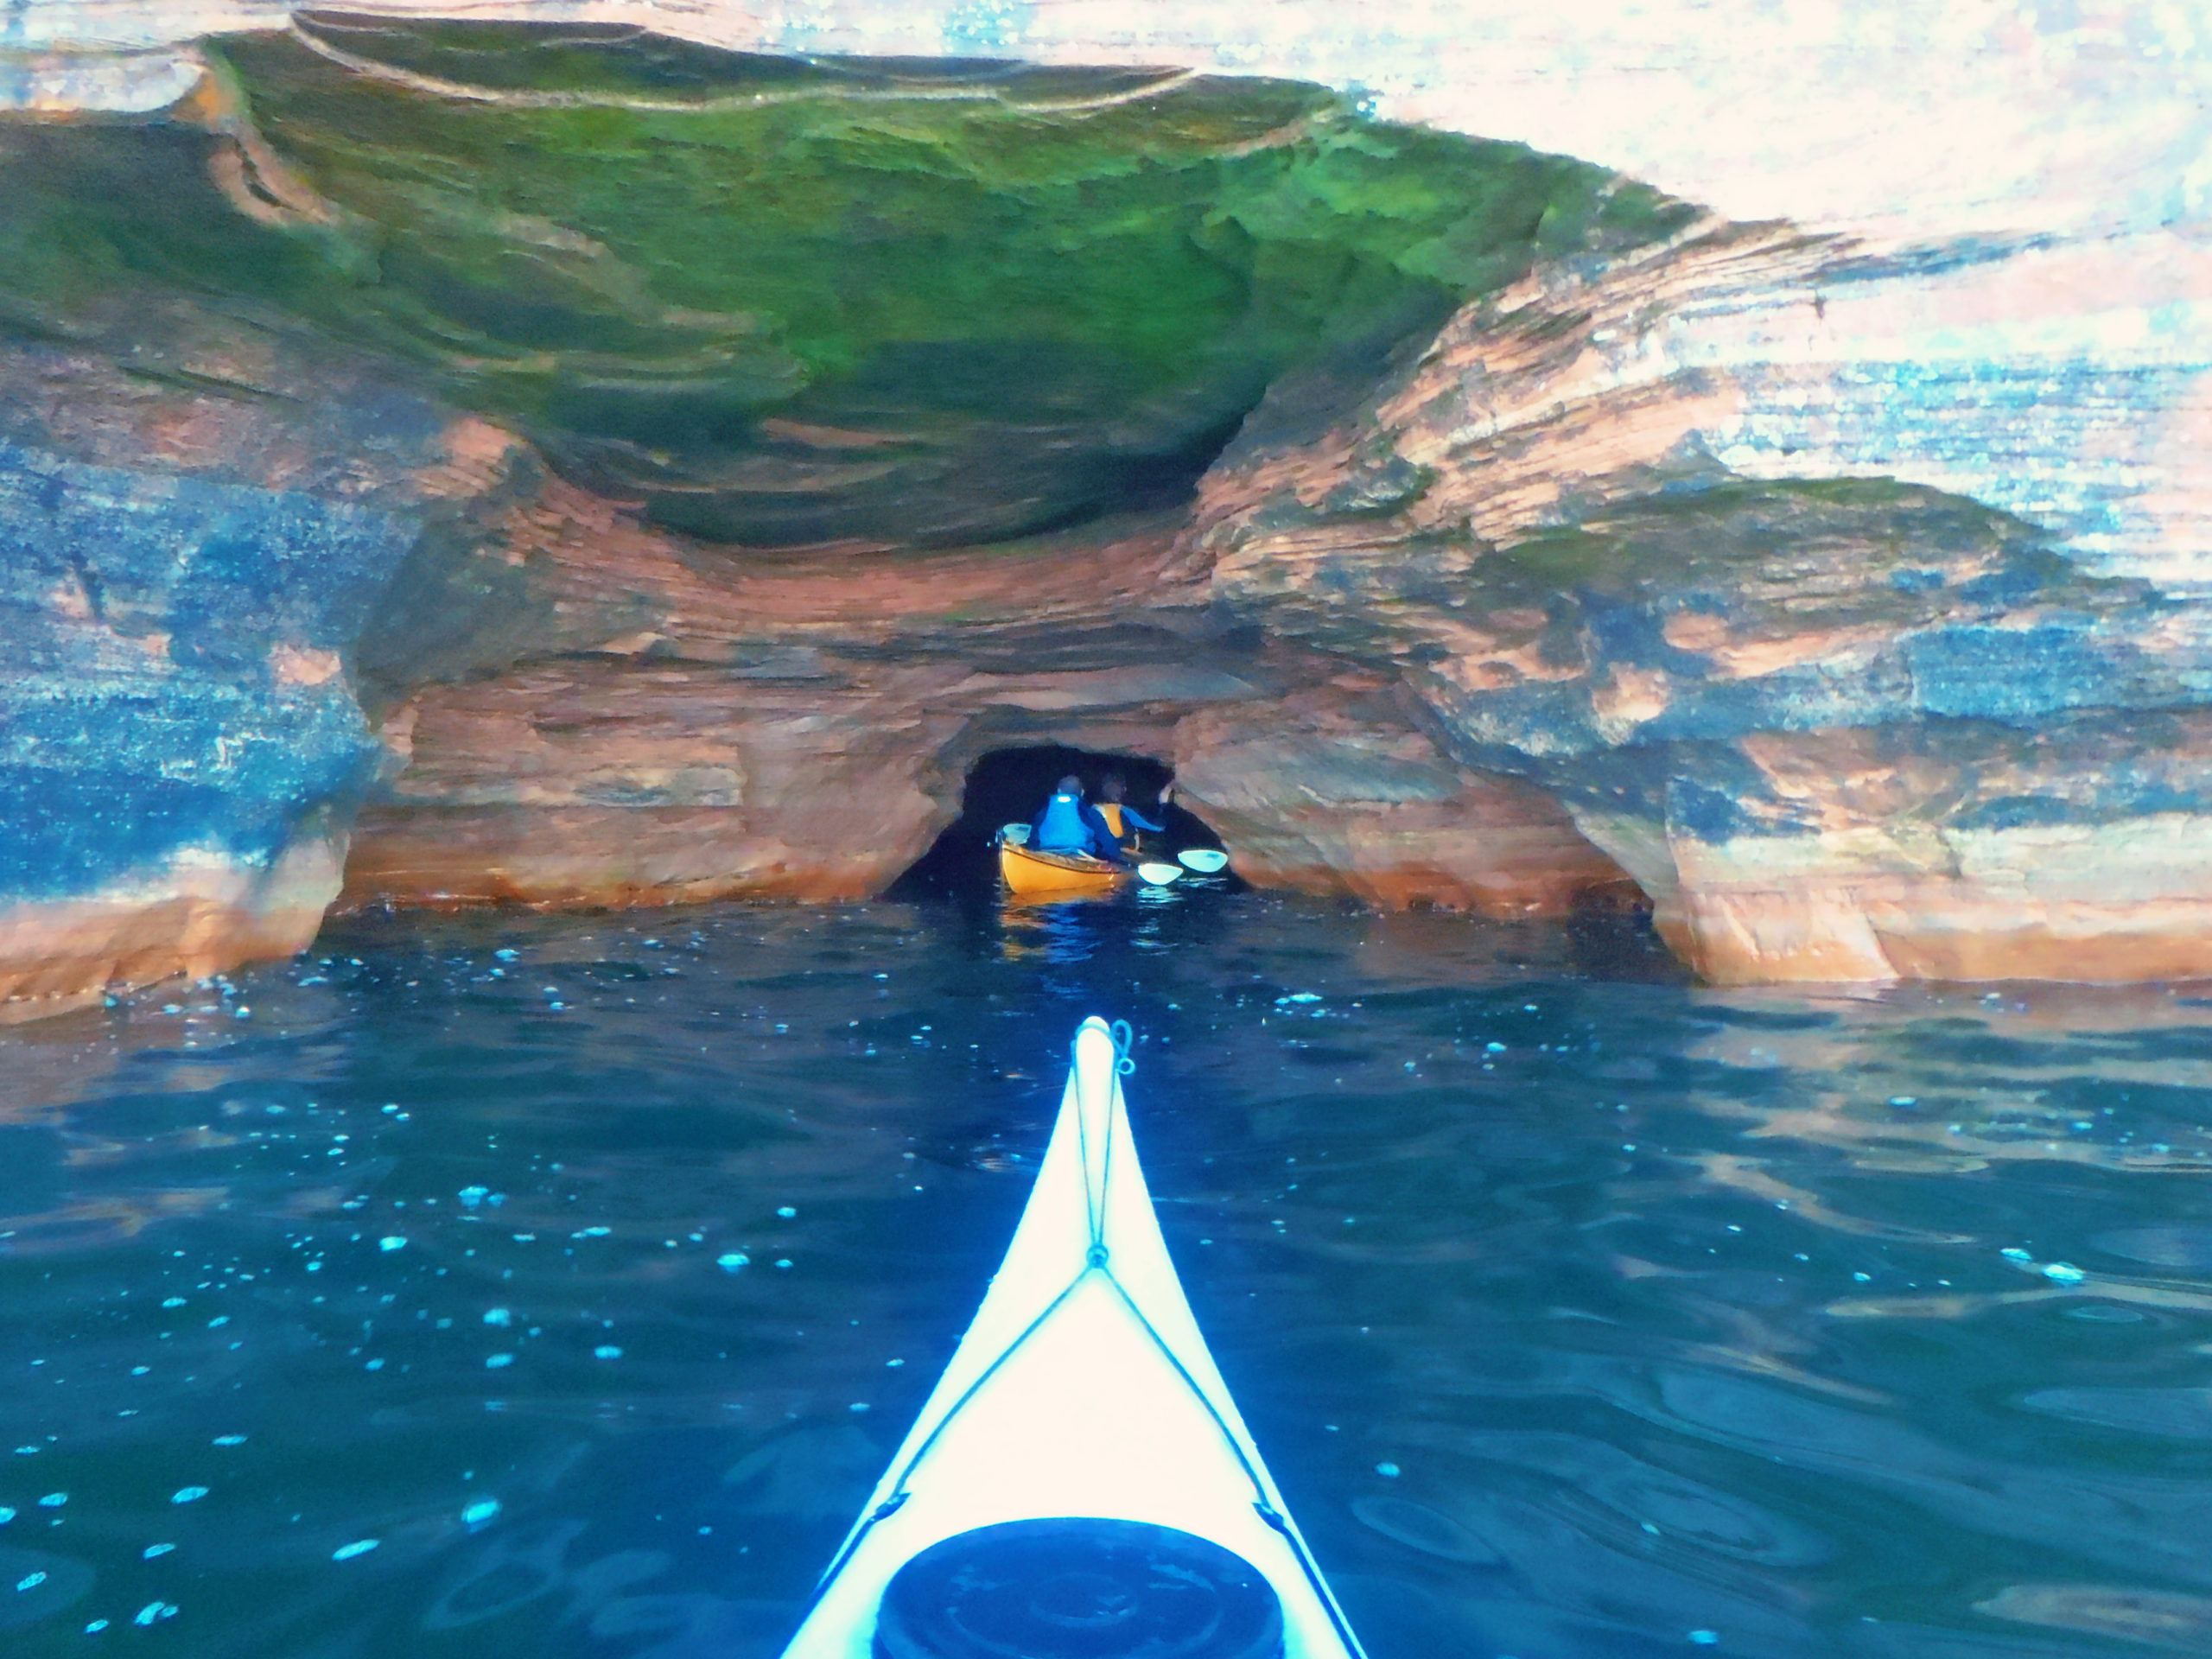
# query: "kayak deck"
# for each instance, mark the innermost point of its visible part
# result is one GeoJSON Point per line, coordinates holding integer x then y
{"type": "Point", "coordinates": [1083, 1389]}
{"type": "Point", "coordinates": [1032, 870]}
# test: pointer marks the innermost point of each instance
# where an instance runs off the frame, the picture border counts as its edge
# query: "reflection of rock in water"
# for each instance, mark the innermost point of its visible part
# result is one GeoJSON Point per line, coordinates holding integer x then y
{"type": "Point", "coordinates": [2163, 1246]}
{"type": "Point", "coordinates": [807, 1474]}
{"type": "Point", "coordinates": [2177, 1413]}
{"type": "Point", "coordinates": [508, 1574]}
{"type": "Point", "coordinates": [2153, 1615]}
{"type": "Point", "coordinates": [89, 1222]}
{"type": "Point", "coordinates": [694, 1626]}
{"type": "Point", "coordinates": [35, 1585]}
{"type": "Point", "coordinates": [1417, 1527]}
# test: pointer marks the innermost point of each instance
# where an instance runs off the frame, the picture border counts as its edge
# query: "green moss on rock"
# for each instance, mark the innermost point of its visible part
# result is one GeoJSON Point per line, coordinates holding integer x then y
{"type": "Point", "coordinates": [785, 301]}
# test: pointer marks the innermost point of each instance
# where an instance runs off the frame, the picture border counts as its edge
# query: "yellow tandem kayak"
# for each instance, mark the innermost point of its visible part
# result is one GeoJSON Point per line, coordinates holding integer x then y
{"type": "Point", "coordinates": [1032, 872]}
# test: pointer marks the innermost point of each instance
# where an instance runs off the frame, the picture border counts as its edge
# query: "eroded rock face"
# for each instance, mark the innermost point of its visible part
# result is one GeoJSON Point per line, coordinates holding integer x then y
{"type": "Point", "coordinates": [578, 467]}
{"type": "Point", "coordinates": [1336, 790]}
{"type": "Point", "coordinates": [606, 783]}
{"type": "Point", "coordinates": [180, 744]}
{"type": "Point", "coordinates": [801, 729]}
{"type": "Point", "coordinates": [780, 304]}
{"type": "Point", "coordinates": [1953, 850]}
{"type": "Point", "coordinates": [1836, 729]}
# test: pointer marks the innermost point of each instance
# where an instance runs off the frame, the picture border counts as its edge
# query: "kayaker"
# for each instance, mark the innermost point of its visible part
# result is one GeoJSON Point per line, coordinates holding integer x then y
{"type": "Point", "coordinates": [1069, 823]}
{"type": "Point", "coordinates": [1121, 818]}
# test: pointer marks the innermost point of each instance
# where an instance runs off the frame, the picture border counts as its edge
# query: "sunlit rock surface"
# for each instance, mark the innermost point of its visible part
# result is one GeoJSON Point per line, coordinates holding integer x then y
{"type": "Point", "coordinates": [579, 466]}
{"type": "Point", "coordinates": [1889, 118]}
{"type": "Point", "coordinates": [1835, 728]}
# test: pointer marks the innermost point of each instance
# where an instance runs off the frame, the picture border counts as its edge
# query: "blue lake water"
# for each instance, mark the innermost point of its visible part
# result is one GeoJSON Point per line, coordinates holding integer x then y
{"type": "Point", "coordinates": [509, 1286]}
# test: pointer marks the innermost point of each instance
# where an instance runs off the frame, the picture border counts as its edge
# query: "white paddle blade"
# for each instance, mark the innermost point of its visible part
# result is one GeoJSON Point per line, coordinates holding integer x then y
{"type": "Point", "coordinates": [1205, 859]}
{"type": "Point", "coordinates": [1014, 835]}
{"type": "Point", "coordinates": [1159, 876]}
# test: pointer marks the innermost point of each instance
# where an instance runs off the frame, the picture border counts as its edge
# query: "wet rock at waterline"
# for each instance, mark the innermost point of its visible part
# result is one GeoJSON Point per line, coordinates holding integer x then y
{"type": "Point", "coordinates": [467, 463]}
{"type": "Point", "coordinates": [1337, 790]}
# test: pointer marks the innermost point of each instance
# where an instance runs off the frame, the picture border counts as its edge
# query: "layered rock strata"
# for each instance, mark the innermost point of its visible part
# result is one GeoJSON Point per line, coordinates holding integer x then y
{"type": "Point", "coordinates": [801, 728]}
{"type": "Point", "coordinates": [323, 625]}
{"type": "Point", "coordinates": [1337, 790]}
{"type": "Point", "coordinates": [1837, 729]}
{"type": "Point", "coordinates": [418, 455]}
{"type": "Point", "coordinates": [181, 747]}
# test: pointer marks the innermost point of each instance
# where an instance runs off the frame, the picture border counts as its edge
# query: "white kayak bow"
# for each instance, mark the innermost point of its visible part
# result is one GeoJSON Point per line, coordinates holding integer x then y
{"type": "Point", "coordinates": [1083, 1389]}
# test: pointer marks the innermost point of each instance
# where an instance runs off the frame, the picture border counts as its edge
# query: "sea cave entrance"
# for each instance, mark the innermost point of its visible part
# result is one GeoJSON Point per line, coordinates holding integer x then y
{"type": "Point", "coordinates": [1009, 786]}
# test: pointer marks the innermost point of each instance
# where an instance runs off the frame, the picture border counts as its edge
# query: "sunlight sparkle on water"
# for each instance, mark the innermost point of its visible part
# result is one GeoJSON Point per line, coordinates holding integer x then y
{"type": "Point", "coordinates": [1579, 1310]}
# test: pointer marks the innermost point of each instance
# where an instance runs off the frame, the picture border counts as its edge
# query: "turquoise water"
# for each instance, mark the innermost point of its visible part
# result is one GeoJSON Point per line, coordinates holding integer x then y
{"type": "Point", "coordinates": [424, 1299]}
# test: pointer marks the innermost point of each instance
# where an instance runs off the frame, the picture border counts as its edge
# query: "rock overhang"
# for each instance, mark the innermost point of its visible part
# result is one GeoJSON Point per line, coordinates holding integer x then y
{"type": "Point", "coordinates": [1658, 541]}
{"type": "Point", "coordinates": [783, 301]}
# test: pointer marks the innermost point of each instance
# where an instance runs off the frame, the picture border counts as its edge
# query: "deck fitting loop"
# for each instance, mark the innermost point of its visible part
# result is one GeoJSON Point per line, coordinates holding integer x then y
{"type": "Point", "coordinates": [1123, 1037]}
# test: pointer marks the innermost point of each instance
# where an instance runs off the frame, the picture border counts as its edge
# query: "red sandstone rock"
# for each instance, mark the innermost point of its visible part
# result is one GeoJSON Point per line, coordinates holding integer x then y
{"type": "Point", "coordinates": [1896, 877]}
{"type": "Point", "coordinates": [628, 717]}
{"type": "Point", "coordinates": [1836, 731]}
{"type": "Point", "coordinates": [1335, 793]}
{"type": "Point", "coordinates": [596, 781]}
{"type": "Point", "coordinates": [800, 727]}
{"type": "Point", "coordinates": [200, 916]}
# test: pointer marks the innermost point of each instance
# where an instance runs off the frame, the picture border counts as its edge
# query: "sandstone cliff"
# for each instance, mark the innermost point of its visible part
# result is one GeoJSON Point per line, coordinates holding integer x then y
{"type": "Point", "coordinates": [449, 463]}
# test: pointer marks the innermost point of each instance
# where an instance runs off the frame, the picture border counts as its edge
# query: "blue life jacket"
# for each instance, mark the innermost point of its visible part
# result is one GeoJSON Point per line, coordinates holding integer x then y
{"type": "Point", "coordinates": [1060, 827]}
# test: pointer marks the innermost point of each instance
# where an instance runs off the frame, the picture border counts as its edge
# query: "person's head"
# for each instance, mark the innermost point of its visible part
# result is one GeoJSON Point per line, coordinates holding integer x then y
{"type": "Point", "coordinates": [1070, 785]}
{"type": "Point", "coordinates": [1110, 787]}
